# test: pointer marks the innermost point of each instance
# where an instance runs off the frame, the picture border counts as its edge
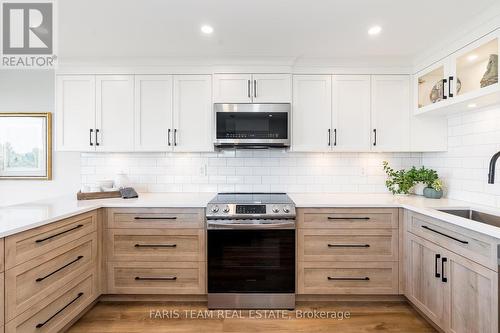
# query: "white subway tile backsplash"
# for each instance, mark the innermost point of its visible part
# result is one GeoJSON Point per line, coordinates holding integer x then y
{"type": "Point", "coordinates": [247, 170]}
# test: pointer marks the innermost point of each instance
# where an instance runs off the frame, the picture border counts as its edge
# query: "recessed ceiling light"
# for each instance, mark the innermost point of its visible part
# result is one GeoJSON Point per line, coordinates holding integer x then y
{"type": "Point", "coordinates": [472, 57]}
{"type": "Point", "coordinates": [206, 29]}
{"type": "Point", "coordinates": [472, 105]}
{"type": "Point", "coordinates": [375, 30]}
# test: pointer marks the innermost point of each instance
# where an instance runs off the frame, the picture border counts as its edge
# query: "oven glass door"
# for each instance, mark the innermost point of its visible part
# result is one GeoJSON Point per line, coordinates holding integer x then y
{"type": "Point", "coordinates": [251, 261]}
{"type": "Point", "coordinates": [252, 125]}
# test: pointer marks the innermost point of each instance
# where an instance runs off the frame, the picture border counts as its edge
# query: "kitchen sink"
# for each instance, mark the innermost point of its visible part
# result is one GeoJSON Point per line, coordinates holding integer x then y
{"type": "Point", "coordinates": [474, 215]}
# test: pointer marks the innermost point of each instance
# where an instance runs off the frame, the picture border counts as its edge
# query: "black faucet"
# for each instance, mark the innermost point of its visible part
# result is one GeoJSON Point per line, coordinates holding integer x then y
{"type": "Point", "coordinates": [493, 162]}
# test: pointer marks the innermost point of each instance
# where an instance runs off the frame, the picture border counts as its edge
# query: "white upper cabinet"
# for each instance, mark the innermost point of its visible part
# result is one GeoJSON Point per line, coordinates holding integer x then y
{"type": "Point", "coordinates": [115, 113]}
{"type": "Point", "coordinates": [468, 78]}
{"type": "Point", "coordinates": [350, 113]}
{"type": "Point", "coordinates": [312, 112]}
{"type": "Point", "coordinates": [75, 113]}
{"type": "Point", "coordinates": [252, 88]}
{"type": "Point", "coordinates": [153, 112]}
{"type": "Point", "coordinates": [390, 113]}
{"type": "Point", "coordinates": [272, 88]}
{"type": "Point", "coordinates": [232, 88]}
{"type": "Point", "coordinates": [193, 121]}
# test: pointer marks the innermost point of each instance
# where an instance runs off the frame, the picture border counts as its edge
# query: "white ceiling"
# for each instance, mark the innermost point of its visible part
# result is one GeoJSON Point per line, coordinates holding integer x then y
{"type": "Point", "coordinates": [296, 29]}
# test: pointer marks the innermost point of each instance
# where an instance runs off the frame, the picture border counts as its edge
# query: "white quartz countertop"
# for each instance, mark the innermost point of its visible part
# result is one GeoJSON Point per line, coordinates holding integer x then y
{"type": "Point", "coordinates": [17, 218]}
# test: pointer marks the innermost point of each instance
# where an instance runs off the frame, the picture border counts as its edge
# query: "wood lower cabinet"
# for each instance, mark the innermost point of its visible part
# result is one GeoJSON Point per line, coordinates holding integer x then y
{"type": "Point", "coordinates": [155, 251]}
{"type": "Point", "coordinates": [156, 278]}
{"type": "Point", "coordinates": [348, 251]}
{"type": "Point", "coordinates": [456, 293]}
{"type": "Point", "coordinates": [424, 287]}
{"type": "Point", "coordinates": [57, 309]}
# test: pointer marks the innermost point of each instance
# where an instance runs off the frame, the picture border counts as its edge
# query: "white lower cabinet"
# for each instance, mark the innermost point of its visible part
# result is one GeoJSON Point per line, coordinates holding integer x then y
{"type": "Point", "coordinates": [457, 294]}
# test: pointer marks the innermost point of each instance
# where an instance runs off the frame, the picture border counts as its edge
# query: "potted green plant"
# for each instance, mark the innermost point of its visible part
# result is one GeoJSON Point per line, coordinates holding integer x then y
{"type": "Point", "coordinates": [399, 181]}
{"type": "Point", "coordinates": [403, 181]}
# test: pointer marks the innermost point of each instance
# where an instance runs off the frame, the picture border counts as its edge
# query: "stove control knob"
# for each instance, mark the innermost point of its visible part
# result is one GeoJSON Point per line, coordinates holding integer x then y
{"type": "Point", "coordinates": [286, 209]}
{"type": "Point", "coordinates": [226, 209]}
{"type": "Point", "coordinates": [276, 209]}
{"type": "Point", "coordinates": [215, 209]}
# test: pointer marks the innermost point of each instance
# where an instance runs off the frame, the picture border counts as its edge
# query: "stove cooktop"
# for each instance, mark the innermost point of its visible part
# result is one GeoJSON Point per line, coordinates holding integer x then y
{"type": "Point", "coordinates": [252, 198]}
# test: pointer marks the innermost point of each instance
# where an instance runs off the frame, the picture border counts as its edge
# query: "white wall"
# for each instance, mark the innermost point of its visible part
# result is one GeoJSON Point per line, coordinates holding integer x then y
{"type": "Point", "coordinates": [246, 171]}
{"type": "Point", "coordinates": [33, 91]}
{"type": "Point", "coordinates": [474, 136]}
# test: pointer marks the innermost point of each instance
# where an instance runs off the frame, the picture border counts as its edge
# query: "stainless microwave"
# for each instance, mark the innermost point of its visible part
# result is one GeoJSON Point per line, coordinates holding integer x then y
{"type": "Point", "coordinates": [252, 125]}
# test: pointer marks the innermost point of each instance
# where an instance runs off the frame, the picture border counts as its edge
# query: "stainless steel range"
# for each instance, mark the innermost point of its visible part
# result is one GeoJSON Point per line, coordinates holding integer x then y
{"type": "Point", "coordinates": [251, 251]}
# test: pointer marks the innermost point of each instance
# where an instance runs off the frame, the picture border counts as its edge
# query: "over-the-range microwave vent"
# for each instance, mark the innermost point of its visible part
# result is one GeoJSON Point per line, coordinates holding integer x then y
{"type": "Point", "coordinates": [252, 126]}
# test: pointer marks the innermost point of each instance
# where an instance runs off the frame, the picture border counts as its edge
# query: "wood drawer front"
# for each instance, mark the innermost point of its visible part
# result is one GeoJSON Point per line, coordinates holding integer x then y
{"type": "Point", "coordinates": [33, 243]}
{"type": "Point", "coordinates": [348, 245]}
{"type": "Point", "coordinates": [156, 278]}
{"type": "Point", "coordinates": [156, 218]}
{"type": "Point", "coordinates": [2, 254]}
{"type": "Point", "coordinates": [156, 245]}
{"type": "Point", "coordinates": [56, 311]}
{"type": "Point", "coordinates": [342, 218]}
{"type": "Point", "coordinates": [472, 245]}
{"type": "Point", "coordinates": [32, 281]}
{"type": "Point", "coordinates": [348, 278]}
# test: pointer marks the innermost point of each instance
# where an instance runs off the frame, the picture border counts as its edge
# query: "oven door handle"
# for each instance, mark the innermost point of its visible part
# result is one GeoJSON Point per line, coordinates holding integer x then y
{"type": "Point", "coordinates": [229, 225]}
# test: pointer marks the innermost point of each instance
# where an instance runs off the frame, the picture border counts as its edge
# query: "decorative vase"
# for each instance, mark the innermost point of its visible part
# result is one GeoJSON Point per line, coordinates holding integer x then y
{"type": "Point", "coordinates": [418, 189]}
{"type": "Point", "coordinates": [491, 75]}
{"type": "Point", "coordinates": [431, 193]}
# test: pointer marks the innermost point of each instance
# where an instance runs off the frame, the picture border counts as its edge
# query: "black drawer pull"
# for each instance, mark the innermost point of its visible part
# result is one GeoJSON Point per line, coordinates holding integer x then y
{"type": "Point", "coordinates": [332, 278]}
{"type": "Point", "coordinates": [59, 234]}
{"type": "Point", "coordinates": [348, 218]}
{"type": "Point", "coordinates": [436, 274]}
{"type": "Point", "coordinates": [57, 270]}
{"type": "Point", "coordinates": [155, 245]}
{"type": "Point", "coordinates": [445, 235]}
{"type": "Point", "coordinates": [58, 312]}
{"type": "Point", "coordinates": [155, 218]}
{"type": "Point", "coordinates": [348, 245]}
{"type": "Point", "coordinates": [443, 277]}
{"type": "Point", "coordinates": [166, 278]}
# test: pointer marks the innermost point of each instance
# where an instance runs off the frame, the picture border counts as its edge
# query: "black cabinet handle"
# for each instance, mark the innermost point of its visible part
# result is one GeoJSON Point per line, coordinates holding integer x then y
{"type": "Point", "coordinates": [249, 95]}
{"type": "Point", "coordinates": [58, 234]}
{"type": "Point", "coordinates": [450, 93]}
{"type": "Point", "coordinates": [374, 137]}
{"type": "Point", "coordinates": [348, 245]}
{"type": "Point", "coordinates": [40, 325]}
{"type": "Point", "coordinates": [348, 218]}
{"type": "Point", "coordinates": [329, 137]}
{"type": "Point", "coordinates": [334, 136]}
{"type": "Point", "coordinates": [166, 278]}
{"type": "Point", "coordinates": [155, 218]}
{"type": "Point", "coordinates": [445, 235]}
{"type": "Point", "coordinates": [436, 274]}
{"type": "Point", "coordinates": [443, 277]}
{"type": "Point", "coordinates": [57, 270]}
{"type": "Point", "coordinates": [444, 82]}
{"type": "Point", "coordinates": [254, 88]}
{"type": "Point", "coordinates": [175, 136]}
{"type": "Point", "coordinates": [96, 138]}
{"type": "Point", "coordinates": [90, 137]}
{"type": "Point", "coordinates": [155, 245]}
{"type": "Point", "coordinates": [168, 135]}
{"type": "Point", "coordinates": [366, 278]}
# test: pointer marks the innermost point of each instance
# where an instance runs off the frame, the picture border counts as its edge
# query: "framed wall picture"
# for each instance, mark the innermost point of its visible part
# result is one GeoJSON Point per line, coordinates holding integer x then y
{"type": "Point", "coordinates": [26, 146]}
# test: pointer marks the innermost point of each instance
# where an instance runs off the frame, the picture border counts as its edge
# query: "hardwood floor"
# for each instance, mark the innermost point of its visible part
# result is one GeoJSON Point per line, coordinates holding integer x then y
{"type": "Point", "coordinates": [128, 317]}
